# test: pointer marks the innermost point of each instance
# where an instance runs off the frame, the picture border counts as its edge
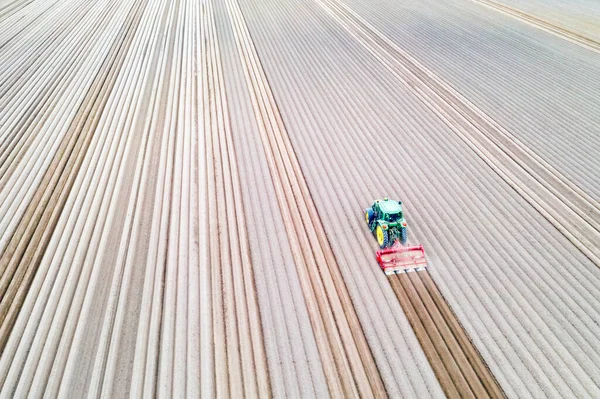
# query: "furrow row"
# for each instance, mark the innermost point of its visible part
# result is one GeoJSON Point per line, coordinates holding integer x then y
{"type": "Point", "coordinates": [22, 256]}
{"type": "Point", "coordinates": [145, 173]}
{"type": "Point", "coordinates": [563, 33]}
{"type": "Point", "coordinates": [294, 365]}
{"type": "Point", "coordinates": [243, 342]}
{"type": "Point", "coordinates": [510, 70]}
{"type": "Point", "coordinates": [346, 357]}
{"type": "Point", "coordinates": [64, 317]}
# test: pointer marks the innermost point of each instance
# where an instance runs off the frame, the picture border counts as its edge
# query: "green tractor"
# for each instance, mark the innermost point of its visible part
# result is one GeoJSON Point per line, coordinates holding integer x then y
{"type": "Point", "coordinates": [386, 221]}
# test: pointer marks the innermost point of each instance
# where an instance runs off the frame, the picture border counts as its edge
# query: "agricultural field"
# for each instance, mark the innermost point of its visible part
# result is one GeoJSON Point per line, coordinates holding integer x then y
{"type": "Point", "coordinates": [183, 187]}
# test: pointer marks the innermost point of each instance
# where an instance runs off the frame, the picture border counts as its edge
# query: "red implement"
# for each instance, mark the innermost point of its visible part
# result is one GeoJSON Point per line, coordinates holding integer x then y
{"type": "Point", "coordinates": [399, 259]}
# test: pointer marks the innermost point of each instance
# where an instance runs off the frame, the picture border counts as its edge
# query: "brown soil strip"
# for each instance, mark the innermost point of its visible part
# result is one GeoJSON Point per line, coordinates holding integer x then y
{"type": "Point", "coordinates": [21, 258]}
{"type": "Point", "coordinates": [460, 369]}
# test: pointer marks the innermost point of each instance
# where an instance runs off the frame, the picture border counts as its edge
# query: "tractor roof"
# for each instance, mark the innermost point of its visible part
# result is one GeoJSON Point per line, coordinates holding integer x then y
{"type": "Point", "coordinates": [389, 206]}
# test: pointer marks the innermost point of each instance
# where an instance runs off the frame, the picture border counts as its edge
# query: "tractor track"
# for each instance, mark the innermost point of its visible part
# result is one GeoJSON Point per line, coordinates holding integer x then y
{"type": "Point", "coordinates": [458, 365]}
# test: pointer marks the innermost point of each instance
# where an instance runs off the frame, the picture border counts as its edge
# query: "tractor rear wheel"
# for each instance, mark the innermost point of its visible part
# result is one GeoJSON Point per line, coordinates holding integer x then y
{"type": "Point", "coordinates": [382, 237]}
{"type": "Point", "coordinates": [369, 217]}
{"type": "Point", "coordinates": [403, 235]}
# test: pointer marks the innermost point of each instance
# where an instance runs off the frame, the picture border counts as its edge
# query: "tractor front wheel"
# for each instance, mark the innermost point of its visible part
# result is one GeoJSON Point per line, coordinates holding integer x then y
{"type": "Point", "coordinates": [382, 237]}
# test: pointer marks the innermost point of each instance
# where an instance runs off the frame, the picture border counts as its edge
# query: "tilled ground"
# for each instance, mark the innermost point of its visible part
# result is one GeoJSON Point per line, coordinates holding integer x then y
{"type": "Point", "coordinates": [182, 187]}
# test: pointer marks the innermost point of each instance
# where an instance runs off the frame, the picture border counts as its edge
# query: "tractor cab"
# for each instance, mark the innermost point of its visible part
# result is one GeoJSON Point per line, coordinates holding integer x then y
{"type": "Point", "coordinates": [394, 217]}
{"type": "Point", "coordinates": [389, 211]}
{"type": "Point", "coordinates": [389, 207]}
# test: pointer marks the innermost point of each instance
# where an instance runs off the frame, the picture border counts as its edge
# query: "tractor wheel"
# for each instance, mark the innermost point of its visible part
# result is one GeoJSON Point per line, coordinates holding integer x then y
{"type": "Point", "coordinates": [403, 235]}
{"type": "Point", "coordinates": [369, 217]}
{"type": "Point", "coordinates": [382, 237]}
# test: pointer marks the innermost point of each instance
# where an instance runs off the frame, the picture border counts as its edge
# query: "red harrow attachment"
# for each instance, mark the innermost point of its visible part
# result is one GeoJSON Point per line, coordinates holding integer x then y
{"type": "Point", "coordinates": [399, 259]}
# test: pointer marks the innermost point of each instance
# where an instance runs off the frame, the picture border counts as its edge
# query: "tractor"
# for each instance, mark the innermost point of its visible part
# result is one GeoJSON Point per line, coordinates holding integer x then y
{"type": "Point", "coordinates": [386, 221]}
